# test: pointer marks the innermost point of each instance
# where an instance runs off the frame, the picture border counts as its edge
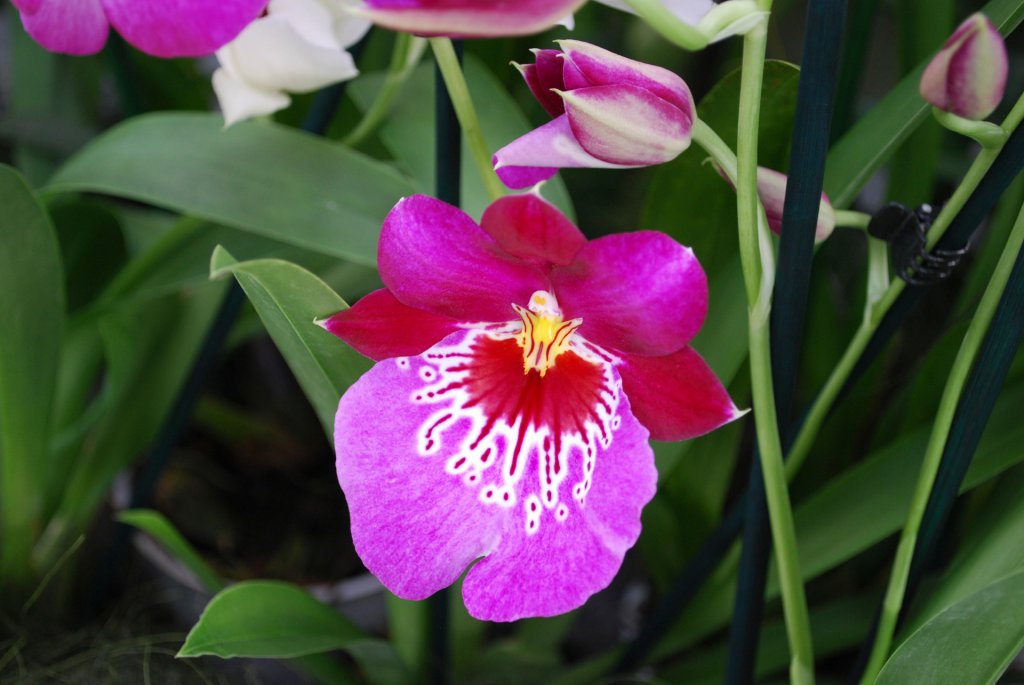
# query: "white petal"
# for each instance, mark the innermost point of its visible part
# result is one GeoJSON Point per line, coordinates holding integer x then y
{"type": "Point", "coordinates": [271, 55]}
{"type": "Point", "coordinates": [239, 100]}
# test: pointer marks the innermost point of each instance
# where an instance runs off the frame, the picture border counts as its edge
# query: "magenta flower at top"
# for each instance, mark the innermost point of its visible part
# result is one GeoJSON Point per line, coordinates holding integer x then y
{"type": "Point", "coordinates": [609, 112]}
{"type": "Point", "coordinates": [521, 370]}
{"type": "Point", "coordinates": [968, 75]}
{"type": "Point", "coordinates": [165, 28]}
{"type": "Point", "coordinates": [467, 18]}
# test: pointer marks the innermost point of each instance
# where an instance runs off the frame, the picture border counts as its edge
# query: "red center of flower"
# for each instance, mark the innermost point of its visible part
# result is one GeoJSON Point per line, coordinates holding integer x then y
{"type": "Point", "coordinates": [496, 423]}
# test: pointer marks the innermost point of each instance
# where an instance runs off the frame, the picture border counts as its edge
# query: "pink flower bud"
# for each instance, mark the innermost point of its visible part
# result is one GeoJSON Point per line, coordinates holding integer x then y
{"type": "Point", "coordinates": [968, 75]}
{"type": "Point", "coordinates": [771, 188]}
{"type": "Point", "coordinates": [609, 111]}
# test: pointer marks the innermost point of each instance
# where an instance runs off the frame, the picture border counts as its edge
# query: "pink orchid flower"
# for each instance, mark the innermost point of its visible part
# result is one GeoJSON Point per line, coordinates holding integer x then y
{"type": "Point", "coordinates": [467, 18]}
{"type": "Point", "coordinates": [165, 28]}
{"type": "Point", "coordinates": [609, 112]}
{"type": "Point", "coordinates": [521, 370]}
{"type": "Point", "coordinates": [968, 75]}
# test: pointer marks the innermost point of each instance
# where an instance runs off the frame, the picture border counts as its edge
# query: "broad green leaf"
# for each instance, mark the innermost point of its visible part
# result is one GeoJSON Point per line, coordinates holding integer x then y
{"type": "Point", "coordinates": [92, 248]}
{"type": "Point", "coordinates": [259, 177]}
{"type": "Point", "coordinates": [267, 619]}
{"type": "Point", "coordinates": [990, 550]}
{"type": "Point", "coordinates": [379, 662]}
{"type": "Point", "coordinates": [875, 138]}
{"type": "Point", "coordinates": [408, 132]}
{"type": "Point", "coordinates": [290, 300]}
{"type": "Point", "coordinates": [31, 330]}
{"type": "Point", "coordinates": [156, 525]}
{"type": "Point", "coordinates": [972, 641]}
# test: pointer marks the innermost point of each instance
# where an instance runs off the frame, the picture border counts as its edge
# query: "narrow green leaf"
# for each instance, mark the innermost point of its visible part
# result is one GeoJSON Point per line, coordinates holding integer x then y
{"type": "Point", "coordinates": [290, 300]}
{"type": "Point", "coordinates": [267, 619]}
{"type": "Point", "coordinates": [973, 641]}
{"type": "Point", "coordinates": [273, 181]}
{"type": "Point", "coordinates": [156, 524]}
{"type": "Point", "coordinates": [31, 330]}
{"type": "Point", "coordinates": [149, 349]}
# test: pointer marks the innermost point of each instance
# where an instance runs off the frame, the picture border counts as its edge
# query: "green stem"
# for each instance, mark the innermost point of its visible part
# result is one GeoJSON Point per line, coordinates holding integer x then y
{"type": "Point", "coordinates": [936, 447]}
{"type": "Point", "coordinates": [405, 56]}
{"type": "Point", "coordinates": [455, 81]}
{"type": "Point", "coordinates": [758, 269]}
{"type": "Point", "coordinates": [851, 219]}
{"type": "Point", "coordinates": [660, 18]}
{"type": "Point", "coordinates": [840, 374]}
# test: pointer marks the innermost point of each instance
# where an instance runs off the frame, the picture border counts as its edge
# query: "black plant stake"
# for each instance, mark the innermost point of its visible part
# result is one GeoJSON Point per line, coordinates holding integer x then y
{"type": "Point", "coordinates": [448, 175]}
{"type": "Point", "coordinates": [815, 102]}
{"type": "Point", "coordinates": [906, 231]}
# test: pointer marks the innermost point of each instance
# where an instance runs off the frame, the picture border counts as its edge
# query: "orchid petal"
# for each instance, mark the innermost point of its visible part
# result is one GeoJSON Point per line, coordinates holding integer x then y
{"type": "Point", "coordinates": [529, 227]}
{"type": "Point", "coordinates": [640, 293]}
{"type": "Point", "coordinates": [415, 526]}
{"type": "Point", "coordinates": [468, 18]}
{"type": "Point", "coordinates": [538, 155]}
{"type": "Point", "coordinates": [556, 569]}
{"type": "Point", "coordinates": [240, 100]}
{"type": "Point", "coordinates": [73, 27]}
{"type": "Point", "coordinates": [27, 6]}
{"type": "Point", "coordinates": [676, 396]}
{"type": "Point", "coordinates": [379, 327]}
{"type": "Point", "coordinates": [600, 67]}
{"type": "Point", "coordinates": [627, 125]}
{"type": "Point", "coordinates": [180, 28]}
{"type": "Point", "coordinates": [433, 256]}
{"type": "Point", "coordinates": [544, 75]}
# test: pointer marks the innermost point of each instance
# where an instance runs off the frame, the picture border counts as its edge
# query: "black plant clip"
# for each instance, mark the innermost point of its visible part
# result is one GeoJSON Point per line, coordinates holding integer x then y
{"type": "Point", "coordinates": [906, 231]}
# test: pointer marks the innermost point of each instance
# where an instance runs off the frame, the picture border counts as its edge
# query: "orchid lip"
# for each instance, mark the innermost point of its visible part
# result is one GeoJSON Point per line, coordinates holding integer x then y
{"type": "Point", "coordinates": [545, 335]}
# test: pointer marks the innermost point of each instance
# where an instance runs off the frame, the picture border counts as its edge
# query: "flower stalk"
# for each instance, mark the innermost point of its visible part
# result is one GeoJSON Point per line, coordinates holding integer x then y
{"type": "Point", "coordinates": [958, 376]}
{"type": "Point", "coordinates": [404, 58]}
{"type": "Point", "coordinates": [458, 91]}
{"type": "Point", "coordinates": [758, 268]}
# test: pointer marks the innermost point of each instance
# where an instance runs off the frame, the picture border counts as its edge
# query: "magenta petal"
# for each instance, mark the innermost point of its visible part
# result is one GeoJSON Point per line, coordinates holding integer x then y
{"type": "Point", "coordinates": [676, 396]}
{"type": "Point", "coordinates": [433, 256]}
{"type": "Point", "coordinates": [641, 292]}
{"type": "Point", "coordinates": [599, 67]}
{"type": "Point", "coordinates": [415, 526]}
{"type": "Point", "coordinates": [627, 125]}
{"type": "Point", "coordinates": [544, 75]}
{"type": "Point", "coordinates": [27, 6]}
{"type": "Point", "coordinates": [74, 27]}
{"type": "Point", "coordinates": [181, 28]}
{"type": "Point", "coordinates": [539, 154]}
{"type": "Point", "coordinates": [469, 18]}
{"type": "Point", "coordinates": [379, 326]}
{"type": "Point", "coordinates": [557, 568]}
{"type": "Point", "coordinates": [529, 227]}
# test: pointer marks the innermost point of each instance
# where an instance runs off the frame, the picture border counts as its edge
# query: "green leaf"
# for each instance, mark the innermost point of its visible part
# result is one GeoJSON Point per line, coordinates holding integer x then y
{"type": "Point", "coordinates": [408, 132]}
{"type": "Point", "coordinates": [878, 134]}
{"type": "Point", "coordinates": [267, 619]}
{"type": "Point", "coordinates": [149, 349]}
{"type": "Point", "coordinates": [973, 641]}
{"type": "Point", "coordinates": [156, 524]}
{"type": "Point", "coordinates": [856, 510]}
{"type": "Point", "coordinates": [273, 181]}
{"type": "Point", "coordinates": [290, 300]}
{"type": "Point", "coordinates": [31, 331]}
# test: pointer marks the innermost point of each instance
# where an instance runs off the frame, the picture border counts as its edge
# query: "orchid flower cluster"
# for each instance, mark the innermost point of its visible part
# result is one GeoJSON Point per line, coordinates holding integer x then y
{"type": "Point", "coordinates": [521, 370]}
